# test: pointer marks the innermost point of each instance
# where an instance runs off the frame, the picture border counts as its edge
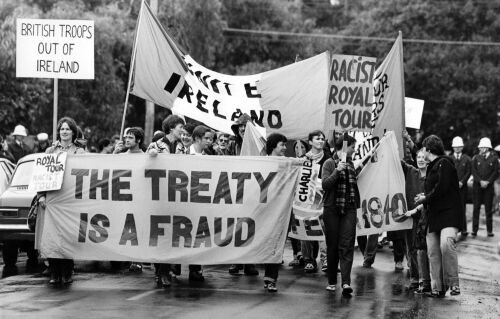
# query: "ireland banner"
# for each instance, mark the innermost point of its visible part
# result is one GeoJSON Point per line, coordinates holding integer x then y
{"type": "Point", "coordinates": [277, 100]}
{"type": "Point", "coordinates": [170, 208]}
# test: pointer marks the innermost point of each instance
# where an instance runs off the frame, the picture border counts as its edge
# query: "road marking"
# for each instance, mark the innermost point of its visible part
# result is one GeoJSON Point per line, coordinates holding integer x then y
{"type": "Point", "coordinates": [140, 296]}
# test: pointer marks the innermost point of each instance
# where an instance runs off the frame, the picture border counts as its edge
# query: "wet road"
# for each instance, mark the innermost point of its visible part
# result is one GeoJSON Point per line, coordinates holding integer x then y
{"type": "Point", "coordinates": [378, 292]}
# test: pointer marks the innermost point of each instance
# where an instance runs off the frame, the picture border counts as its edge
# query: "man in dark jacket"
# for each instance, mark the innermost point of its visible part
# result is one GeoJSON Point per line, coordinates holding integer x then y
{"type": "Point", "coordinates": [484, 170]}
{"type": "Point", "coordinates": [463, 166]}
{"type": "Point", "coordinates": [18, 148]}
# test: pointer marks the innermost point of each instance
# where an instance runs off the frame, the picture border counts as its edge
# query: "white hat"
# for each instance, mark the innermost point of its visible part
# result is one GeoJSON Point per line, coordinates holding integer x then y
{"type": "Point", "coordinates": [457, 142]}
{"type": "Point", "coordinates": [485, 142]}
{"type": "Point", "coordinates": [20, 130]}
{"type": "Point", "coordinates": [497, 148]}
{"type": "Point", "coordinates": [42, 137]}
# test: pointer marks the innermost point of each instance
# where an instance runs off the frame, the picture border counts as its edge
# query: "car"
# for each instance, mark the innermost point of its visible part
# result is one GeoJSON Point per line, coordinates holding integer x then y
{"type": "Point", "coordinates": [6, 170]}
{"type": "Point", "coordinates": [15, 203]}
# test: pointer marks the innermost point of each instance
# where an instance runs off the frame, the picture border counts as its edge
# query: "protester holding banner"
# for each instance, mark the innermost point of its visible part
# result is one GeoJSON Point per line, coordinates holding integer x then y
{"type": "Point", "coordinates": [442, 200]}
{"type": "Point", "coordinates": [341, 201]}
{"type": "Point", "coordinates": [463, 164]}
{"type": "Point", "coordinates": [414, 184]}
{"type": "Point", "coordinates": [238, 129]}
{"type": "Point", "coordinates": [275, 146]}
{"type": "Point", "coordinates": [61, 270]}
{"type": "Point", "coordinates": [183, 146]}
{"type": "Point", "coordinates": [316, 155]}
{"type": "Point", "coordinates": [172, 126]}
{"type": "Point", "coordinates": [485, 171]}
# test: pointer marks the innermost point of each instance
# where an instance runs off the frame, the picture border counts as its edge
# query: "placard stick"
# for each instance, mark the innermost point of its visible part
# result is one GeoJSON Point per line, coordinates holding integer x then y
{"type": "Point", "coordinates": [344, 148]}
{"type": "Point", "coordinates": [54, 111]}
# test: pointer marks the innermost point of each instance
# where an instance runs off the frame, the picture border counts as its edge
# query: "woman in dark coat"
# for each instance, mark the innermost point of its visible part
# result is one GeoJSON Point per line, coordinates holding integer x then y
{"type": "Point", "coordinates": [442, 201]}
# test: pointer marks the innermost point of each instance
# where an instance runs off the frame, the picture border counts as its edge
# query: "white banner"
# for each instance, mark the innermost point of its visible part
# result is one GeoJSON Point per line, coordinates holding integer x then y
{"type": "Point", "coordinates": [170, 208]}
{"type": "Point", "coordinates": [62, 49]}
{"type": "Point", "coordinates": [48, 172]}
{"type": "Point", "coordinates": [382, 189]}
{"type": "Point", "coordinates": [276, 100]}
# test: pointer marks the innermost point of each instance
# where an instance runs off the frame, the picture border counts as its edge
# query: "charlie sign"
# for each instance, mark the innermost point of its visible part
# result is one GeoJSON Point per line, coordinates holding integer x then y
{"type": "Point", "coordinates": [350, 95]}
{"type": "Point", "coordinates": [61, 49]}
{"type": "Point", "coordinates": [170, 209]}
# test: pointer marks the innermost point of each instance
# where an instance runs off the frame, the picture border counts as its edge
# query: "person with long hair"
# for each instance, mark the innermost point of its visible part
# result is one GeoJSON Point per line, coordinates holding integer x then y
{"type": "Point", "coordinates": [441, 198]}
{"type": "Point", "coordinates": [61, 269]}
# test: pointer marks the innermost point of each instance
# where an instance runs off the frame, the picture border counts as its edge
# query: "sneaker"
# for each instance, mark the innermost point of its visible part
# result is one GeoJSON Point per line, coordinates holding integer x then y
{"type": "Point", "coordinates": [455, 291]}
{"type": "Point", "coordinates": [435, 294]}
{"type": "Point", "coordinates": [413, 286]}
{"type": "Point", "coordinates": [346, 289]}
{"type": "Point", "coordinates": [295, 262]}
{"type": "Point", "coordinates": [250, 270]}
{"type": "Point", "coordinates": [235, 269]}
{"type": "Point", "coordinates": [399, 267]}
{"type": "Point", "coordinates": [491, 234]}
{"type": "Point", "coordinates": [324, 267]}
{"type": "Point", "coordinates": [271, 287]}
{"type": "Point", "coordinates": [330, 287]}
{"type": "Point", "coordinates": [310, 268]}
{"type": "Point", "coordinates": [135, 267]}
{"type": "Point", "coordinates": [422, 289]}
{"type": "Point", "coordinates": [196, 276]}
{"type": "Point", "coordinates": [473, 234]}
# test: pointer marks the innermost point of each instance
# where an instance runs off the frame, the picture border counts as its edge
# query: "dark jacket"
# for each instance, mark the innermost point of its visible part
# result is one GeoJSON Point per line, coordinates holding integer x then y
{"type": "Point", "coordinates": [464, 168]}
{"type": "Point", "coordinates": [485, 169]}
{"type": "Point", "coordinates": [329, 180]}
{"type": "Point", "coordinates": [442, 196]}
{"type": "Point", "coordinates": [19, 151]}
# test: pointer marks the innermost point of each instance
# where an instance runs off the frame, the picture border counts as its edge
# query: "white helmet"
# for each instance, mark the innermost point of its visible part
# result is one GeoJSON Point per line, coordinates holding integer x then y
{"type": "Point", "coordinates": [457, 142]}
{"type": "Point", "coordinates": [20, 130]}
{"type": "Point", "coordinates": [485, 142]}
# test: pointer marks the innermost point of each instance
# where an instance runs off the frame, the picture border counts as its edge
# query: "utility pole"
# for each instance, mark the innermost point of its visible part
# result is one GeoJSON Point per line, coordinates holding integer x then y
{"type": "Point", "coordinates": [150, 106]}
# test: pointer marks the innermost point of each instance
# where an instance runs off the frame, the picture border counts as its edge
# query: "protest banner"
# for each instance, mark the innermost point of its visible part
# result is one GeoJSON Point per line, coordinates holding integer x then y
{"type": "Point", "coordinates": [61, 49]}
{"type": "Point", "coordinates": [308, 205]}
{"type": "Point", "coordinates": [388, 107]}
{"type": "Point", "coordinates": [382, 190]}
{"type": "Point", "coordinates": [414, 108]}
{"type": "Point", "coordinates": [350, 93]}
{"type": "Point", "coordinates": [276, 100]}
{"type": "Point", "coordinates": [48, 172]}
{"type": "Point", "coordinates": [170, 208]}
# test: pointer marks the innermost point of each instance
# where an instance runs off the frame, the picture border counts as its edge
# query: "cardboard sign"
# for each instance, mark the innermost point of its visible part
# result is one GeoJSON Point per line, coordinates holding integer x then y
{"type": "Point", "coordinates": [414, 108]}
{"type": "Point", "coordinates": [48, 172]}
{"type": "Point", "coordinates": [61, 49]}
{"type": "Point", "coordinates": [350, 94]}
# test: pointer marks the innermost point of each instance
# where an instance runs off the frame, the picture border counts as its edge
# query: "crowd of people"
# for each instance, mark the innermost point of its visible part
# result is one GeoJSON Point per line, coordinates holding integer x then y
{"type": "Point", "coordinates": [435, 185]}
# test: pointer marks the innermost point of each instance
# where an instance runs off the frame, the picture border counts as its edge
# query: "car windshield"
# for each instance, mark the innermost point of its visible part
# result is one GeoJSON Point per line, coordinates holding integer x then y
{"type": "Point", "coordinates": [22, 175]}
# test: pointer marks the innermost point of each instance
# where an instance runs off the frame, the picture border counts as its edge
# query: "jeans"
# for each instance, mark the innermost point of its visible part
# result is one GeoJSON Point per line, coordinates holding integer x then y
{"type": "Point", "coordinates": [271, 272]}
{"type": "Point", "coordinates": [310, 249]}
{"type": "Point", "coordinates": [424, 275]}
{"type": "Point", "coordinates": [399, 248]}
{"type": "Point", "coordinates": [482, 196]}
{"type": "Point", "coordinates": [368, 246]}
{"type": "Point", "coordinates": [443, 260]}
{"type": "Point", "coordinates": [411, 255]}
{"type": "Point", "coordinates": [340, 234]}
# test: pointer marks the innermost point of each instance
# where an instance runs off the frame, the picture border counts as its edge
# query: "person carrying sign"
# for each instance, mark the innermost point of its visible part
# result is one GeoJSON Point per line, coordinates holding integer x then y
{"type": "Point", "coordinates": [339, 182]}
{"type": "Point", "coordinates": [275, 146]}
{"type": "Point", "coordinates": [61, 270]}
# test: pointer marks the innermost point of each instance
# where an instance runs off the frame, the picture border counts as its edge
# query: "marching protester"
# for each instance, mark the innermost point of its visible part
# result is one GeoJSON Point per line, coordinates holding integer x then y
{"type": "Point", "coordinates": [18, 148]}
{"type": "Point", "coordinates": [42, 143]}
{"type": "Point", "coordinates": [316, 155]}
{"type": "Point", "coordinates": [222, 144]}
{"type": "Point", "coordinates": [442, 201]}
{"type": "Point", "coordinates": [61, 270]}
{"type": "Point", "coordinates": [105, 146]}
{"type": "Point", "coordinates": [485, 171]}
{"type": "Point", "coordinates": [416, 247]}
{"type": "Point", "coordinates": [186, 141]}
{"type": "Point", "coordinates": [238, 129]}
{"type": "Point", "coordinates": [172, 127]}
{"type": "Point", "coordinates": [341, 201]}
{"type": "Point", "coordinates": [464, 170]}
{"type": "Point", "coordinates": [275, 146]}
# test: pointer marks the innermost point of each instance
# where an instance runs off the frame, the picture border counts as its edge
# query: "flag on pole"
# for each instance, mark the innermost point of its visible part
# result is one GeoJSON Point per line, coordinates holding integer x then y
{"type": "Point", "coordinates": [388, 109]}
{"type": "Point", "coordinates": [290, 99]}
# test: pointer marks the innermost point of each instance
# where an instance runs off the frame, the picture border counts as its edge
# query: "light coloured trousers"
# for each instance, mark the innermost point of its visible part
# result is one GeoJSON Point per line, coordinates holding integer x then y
{"type": "Point", "coordinates": [443, 260]}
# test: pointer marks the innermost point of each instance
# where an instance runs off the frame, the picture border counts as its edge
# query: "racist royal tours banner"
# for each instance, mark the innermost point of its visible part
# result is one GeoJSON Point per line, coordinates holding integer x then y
{"type": "Point", "coordinates": [350, 94]}
{"type": "Point", "coordinates": [290, 100]}
{"type": "Point", "coordinates": [189, 210]}
{"type": "Point", "coordinates": [382, 189]}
